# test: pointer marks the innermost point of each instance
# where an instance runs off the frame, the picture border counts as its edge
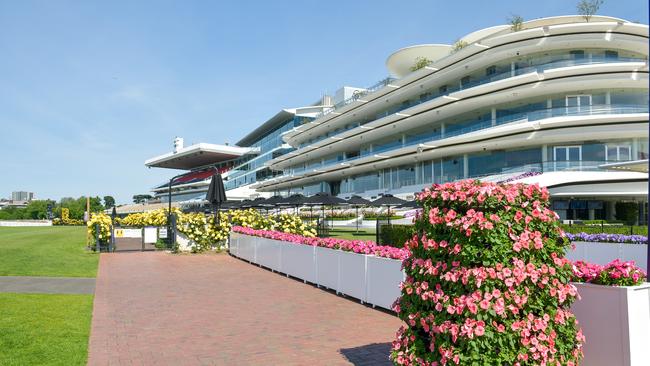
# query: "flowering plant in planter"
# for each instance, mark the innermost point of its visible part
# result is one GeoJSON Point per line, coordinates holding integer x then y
{"type": "Point", "coordinates": [615, 273]}
{"type": "Point", "coordinates": [486, 281]}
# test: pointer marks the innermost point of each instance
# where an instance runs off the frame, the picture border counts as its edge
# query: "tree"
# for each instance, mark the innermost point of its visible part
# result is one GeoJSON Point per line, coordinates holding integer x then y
{"type": "Point", "coordinates": [141, 198]}
{"type": "Point", "coordinates": [109, 201]}
{"type": "Point", "coordinates": [516, 22]}
{"type": "Point", "coordinates": [587, 8]}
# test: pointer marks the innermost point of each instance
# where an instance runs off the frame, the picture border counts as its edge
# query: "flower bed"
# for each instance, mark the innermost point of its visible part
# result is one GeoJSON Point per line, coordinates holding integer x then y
{"type": "Point", "coordinates": [355, 246]}
{"type": "Point", "coordinates": [608, 238]}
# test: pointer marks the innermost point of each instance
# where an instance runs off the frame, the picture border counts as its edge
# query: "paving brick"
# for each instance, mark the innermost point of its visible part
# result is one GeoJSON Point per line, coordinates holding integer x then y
{"type": "Point", "coordinates": [153, 308]}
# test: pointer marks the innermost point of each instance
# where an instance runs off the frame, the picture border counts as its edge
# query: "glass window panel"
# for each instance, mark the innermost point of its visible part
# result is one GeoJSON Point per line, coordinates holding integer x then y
{"type": "Point", "coordinates": [574, 153]}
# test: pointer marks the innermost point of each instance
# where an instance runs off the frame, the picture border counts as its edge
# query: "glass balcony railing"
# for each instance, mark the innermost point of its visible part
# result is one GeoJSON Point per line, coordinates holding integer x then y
{"type": "Point", "coordinates": [371, 89]}
{"type": "Point", "coordinates": [469, 127]}
{"type": "Point", "coordinates": [563, 62]}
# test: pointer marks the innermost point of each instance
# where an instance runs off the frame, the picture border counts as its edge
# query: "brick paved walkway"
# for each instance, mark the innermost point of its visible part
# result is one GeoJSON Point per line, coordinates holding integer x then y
{"type": "Point", "coordinates": [154, 308]}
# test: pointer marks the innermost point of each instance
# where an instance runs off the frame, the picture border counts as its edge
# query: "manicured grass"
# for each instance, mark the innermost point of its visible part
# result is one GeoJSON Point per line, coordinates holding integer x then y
{"type": "Point", "coordinates": [351, 233]}
{"type": "Point", "coordinates": [40, 329]}
{"type": "Point", "coordinates": [46, 251]}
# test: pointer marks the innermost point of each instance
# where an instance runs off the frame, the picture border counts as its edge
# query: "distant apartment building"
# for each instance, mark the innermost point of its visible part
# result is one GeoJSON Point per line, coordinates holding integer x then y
{"type": "Point", "coordinates": [22, 196]}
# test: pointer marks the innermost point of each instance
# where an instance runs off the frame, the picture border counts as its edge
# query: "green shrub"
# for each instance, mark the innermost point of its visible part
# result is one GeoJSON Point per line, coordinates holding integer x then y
{"type": "Point", "coordinates": [628, 212]}
{"type": "Point", "coordinates": [396, 235]}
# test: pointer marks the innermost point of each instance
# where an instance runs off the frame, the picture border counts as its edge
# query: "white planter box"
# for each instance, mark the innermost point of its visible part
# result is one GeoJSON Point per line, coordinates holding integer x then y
{"type": "Point", "coordinates": [246, 248]}
{"type": "Point", "coordinates": [603, 253]}
{"type": "Point", "coordinates": [327, 266]}
{"type": "Point", "coordinates": [298, 261]}
{"type": "Point", "coordinates": [616, 324]}
{"type": "Point", "coordinates": [352, 274]}
{"type": "Point", "coordinates": [383, 277]}
{"type": "Point", "coordinates": [233, 244]}
{"type": "Point", "coordinates": [269, 253]}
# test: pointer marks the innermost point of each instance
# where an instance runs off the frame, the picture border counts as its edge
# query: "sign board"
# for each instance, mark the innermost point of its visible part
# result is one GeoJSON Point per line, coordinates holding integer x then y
{"type": "Point", "coordinates": [150, 235]}
{"type": "Point", "coordinates": [128, 233]}
{"type": "Point", "coordinates": [162, 233]}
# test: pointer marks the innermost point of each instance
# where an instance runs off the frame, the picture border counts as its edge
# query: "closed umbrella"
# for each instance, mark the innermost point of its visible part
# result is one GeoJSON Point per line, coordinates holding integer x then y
{"type": "Point", "coordinates": [216, 195]}
{"type": "Point", "coordinates": [357, 202]}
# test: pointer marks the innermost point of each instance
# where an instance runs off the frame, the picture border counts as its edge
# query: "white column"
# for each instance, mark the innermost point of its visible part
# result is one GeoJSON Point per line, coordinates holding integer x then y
{"type": "Point", "coordinates": [442, 130]}
{"type": "Point", "coordinates": [544, 155]}
{"type": "Point", "coordinates": [494, 117]}
{"type": "Point", "coordinates": [634, 154]}
{"type": "Point", "coordinates": [512, 68]}
{"type": "Point", "coordinates": [608, 98]}
{"type": "Point", "coordinates": [465, 166]}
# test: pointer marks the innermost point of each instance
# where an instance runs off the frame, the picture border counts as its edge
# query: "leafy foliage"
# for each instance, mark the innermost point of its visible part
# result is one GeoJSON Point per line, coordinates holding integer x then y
{"type": "Point", "coordinates": [420, 62]}
{"type": "Point", "coordinates": [486, 281]}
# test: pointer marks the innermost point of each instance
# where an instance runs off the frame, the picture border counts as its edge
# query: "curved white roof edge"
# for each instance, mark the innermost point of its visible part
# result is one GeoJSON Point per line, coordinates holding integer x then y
{"type": "Point", "coordinates": [400, 62]}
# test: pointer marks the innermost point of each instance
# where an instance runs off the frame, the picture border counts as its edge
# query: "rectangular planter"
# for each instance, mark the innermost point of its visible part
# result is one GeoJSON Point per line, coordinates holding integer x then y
{"type": "Point", "coordinates": [352, 275]}
{"type": "Point", "coordinates": [603, 253]}
{"type": "Point", "coordinates": [233, 244]}
{"type": "Point", "coordinates": [616, 324]}
{"type": "Point", "coordinates": [269, 253]}
{"type": "Point", "coordinates": [298, 261]}
{"type": "Point", "coordinates": [383, 278]}
{"type": "Point", "coordinates": [327, 267]}
{"type": "Point", "coordinates": [246, 248]}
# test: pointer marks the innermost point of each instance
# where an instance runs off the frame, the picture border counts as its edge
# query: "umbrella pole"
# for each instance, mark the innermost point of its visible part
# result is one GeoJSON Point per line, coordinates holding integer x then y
{"type": "Point", "coordinates": [357, 218]}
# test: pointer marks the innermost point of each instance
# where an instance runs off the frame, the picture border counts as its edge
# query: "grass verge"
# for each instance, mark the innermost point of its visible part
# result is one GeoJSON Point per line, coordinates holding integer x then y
{"type": "Point", "coordinates": [46, 251]}
{"type": "Point", "coordinates": [39, 329]}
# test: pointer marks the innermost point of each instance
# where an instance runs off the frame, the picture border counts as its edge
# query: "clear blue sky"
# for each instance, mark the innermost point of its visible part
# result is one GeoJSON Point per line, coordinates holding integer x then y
{"type": "Point", "coordinates": [89, 90]}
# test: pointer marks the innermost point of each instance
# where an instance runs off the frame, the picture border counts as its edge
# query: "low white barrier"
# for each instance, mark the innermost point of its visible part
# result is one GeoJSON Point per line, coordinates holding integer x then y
{"type": "Point", "coordinates": [603, 253]}
{"type": "Point", "coordinates": [20, 223]}
{"type": "Point", "coordinates": [371, 279]}
{"type": "Point", "coordinates": [616, 324]}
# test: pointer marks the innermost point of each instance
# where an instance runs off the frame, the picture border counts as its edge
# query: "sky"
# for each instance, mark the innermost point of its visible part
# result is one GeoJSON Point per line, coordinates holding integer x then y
{"type": "Point", "coordinates": [89, 90]}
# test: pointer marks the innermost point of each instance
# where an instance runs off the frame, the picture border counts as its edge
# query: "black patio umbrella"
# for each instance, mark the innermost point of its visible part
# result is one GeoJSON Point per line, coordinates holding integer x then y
{"type": "Point", "coordinates": [229, 205]}
{"type": "Point", "coordinates": [409, 204]}
{"type": "Point", "coordinates": [357, 202]}
{"type": "Point", "coordinates": [245, 204]}
{"type": "Point", "coordinates": [325, 199]}
{"type": "Point", "coordinates": [272, 201]}
{"type": "Point", "coordinates": [295, 200]}
{"type": "Point", "coordinates": [216, 195]}
{"type": "Point", "coordinates": [388, 200]}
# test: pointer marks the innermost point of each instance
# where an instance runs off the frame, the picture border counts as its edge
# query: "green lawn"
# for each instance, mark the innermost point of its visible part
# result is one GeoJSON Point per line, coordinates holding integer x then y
{"type": "Point", "coordinates": [43, 329]}
{"type": "Point", "coordinates": [46, 251]}
{"type": "Point", "coordinates": [350, 233]}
